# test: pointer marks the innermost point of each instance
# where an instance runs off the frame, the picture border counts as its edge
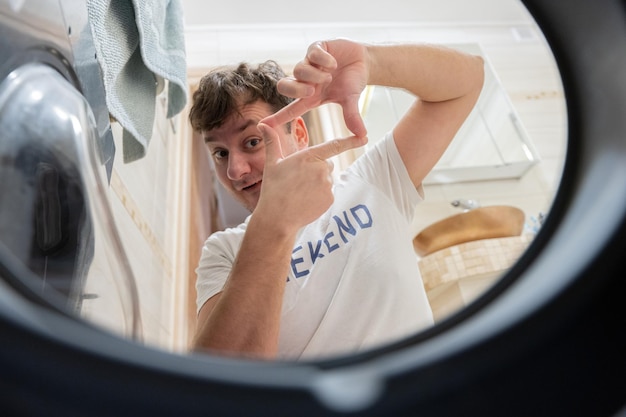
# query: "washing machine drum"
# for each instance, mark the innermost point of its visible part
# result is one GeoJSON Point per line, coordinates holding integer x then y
{"type": "Point", "coordinates": [44, 221]}
{"type": "Point", "coordinates": [547, 340]}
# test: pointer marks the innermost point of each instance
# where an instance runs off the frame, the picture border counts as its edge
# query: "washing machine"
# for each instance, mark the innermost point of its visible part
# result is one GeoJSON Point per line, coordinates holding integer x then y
{"type": "Point", "coordinates": [547, 340]}
{"type": "Point", "coordinates": [56, 151]}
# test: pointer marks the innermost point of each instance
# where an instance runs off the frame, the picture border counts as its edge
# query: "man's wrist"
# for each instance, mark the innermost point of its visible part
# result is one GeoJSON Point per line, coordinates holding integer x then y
{"type": "Point", "coordinates": [271, 226]}
{"type": "Point", "coordinates": [375, 62]}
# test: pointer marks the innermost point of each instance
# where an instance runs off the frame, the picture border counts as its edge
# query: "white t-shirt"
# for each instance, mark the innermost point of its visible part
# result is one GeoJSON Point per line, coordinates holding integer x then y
{"type": "Point", "coordinates": [354, 282]}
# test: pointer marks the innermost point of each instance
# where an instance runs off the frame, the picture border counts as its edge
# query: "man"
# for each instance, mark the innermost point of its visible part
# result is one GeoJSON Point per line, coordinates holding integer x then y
{"type": "Point", "coordinates": [319, 268]}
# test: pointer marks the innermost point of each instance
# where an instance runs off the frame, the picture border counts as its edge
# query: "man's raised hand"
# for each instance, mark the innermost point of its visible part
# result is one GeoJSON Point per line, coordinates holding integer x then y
{"type": "Point", "coordinates": [333, 71]}
{"type": "Point", "coordinates": [298, 187]}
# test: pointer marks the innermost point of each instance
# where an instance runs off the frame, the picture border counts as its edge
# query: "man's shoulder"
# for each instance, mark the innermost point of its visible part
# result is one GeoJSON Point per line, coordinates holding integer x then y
{"type": "Point", "coordinates": [228, 236]}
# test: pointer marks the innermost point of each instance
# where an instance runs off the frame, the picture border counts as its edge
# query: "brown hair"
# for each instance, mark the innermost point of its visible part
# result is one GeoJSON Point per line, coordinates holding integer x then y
{"type": "Point", "coordinates": [223, 90]}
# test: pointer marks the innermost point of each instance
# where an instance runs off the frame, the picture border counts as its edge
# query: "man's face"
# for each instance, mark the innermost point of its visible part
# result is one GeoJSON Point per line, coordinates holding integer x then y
{"type": "Point", "coordinates": [238, 150]}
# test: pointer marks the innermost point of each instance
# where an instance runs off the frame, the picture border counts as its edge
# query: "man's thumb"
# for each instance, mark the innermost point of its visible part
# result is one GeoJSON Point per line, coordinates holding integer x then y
{"type": "Point", "coordinates": [352, 118]}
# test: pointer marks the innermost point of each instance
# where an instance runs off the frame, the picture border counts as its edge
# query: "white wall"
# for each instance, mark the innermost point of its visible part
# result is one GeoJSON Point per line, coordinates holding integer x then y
{"type": "Point", "coordinates": [146, 202]}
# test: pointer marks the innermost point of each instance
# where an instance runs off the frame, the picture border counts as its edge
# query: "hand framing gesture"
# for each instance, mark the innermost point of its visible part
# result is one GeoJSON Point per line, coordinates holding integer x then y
{"type": "Point", "coordinates": [332, 72]}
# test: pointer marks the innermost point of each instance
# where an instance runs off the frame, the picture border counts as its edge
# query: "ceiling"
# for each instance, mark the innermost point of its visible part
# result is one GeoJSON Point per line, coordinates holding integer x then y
{"type": "Point", "coordinates": [224, 32]}
{"type": "Point", "coordinates": [203, 12]}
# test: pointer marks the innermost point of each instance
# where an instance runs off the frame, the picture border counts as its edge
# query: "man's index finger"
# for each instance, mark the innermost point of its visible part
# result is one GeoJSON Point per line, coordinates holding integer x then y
{"type": "Point", "coordinates": [336, 146]}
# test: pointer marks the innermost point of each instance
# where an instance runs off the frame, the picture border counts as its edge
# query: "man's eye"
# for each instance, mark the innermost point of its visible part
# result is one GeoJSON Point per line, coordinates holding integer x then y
{"type": "Point", "coordinates": [220, 154]}
{"type": "Point", "coordinates": [252, 143]}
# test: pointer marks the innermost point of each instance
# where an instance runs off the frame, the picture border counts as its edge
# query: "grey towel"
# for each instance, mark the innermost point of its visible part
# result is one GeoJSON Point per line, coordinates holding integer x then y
{"type": "Point", "coordinates": [137, 42]}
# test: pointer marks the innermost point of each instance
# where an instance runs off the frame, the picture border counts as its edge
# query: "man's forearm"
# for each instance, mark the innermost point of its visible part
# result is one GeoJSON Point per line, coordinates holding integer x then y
{"type": "Point", "coordinates": [433, 73]}
{"type": "Point", "coordinates": [246, 318]}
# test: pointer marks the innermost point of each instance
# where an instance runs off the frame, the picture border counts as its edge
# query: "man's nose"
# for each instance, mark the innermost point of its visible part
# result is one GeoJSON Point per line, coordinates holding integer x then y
{"type": "Point", "coordinates": [238, 166]}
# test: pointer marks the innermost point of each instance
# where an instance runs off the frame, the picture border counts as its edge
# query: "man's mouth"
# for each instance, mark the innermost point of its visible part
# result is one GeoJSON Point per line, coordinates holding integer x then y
{"type": "Point", "coordinates": [252, 187]}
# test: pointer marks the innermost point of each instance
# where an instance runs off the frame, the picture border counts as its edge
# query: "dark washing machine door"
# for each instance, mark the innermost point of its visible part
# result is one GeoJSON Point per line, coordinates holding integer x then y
{"type": "Point", "coordinates": [44, 221]}
{"type": "Point", "coordinates": [548, 340]}
{"type": "Point", "coordinates": [52, 197]}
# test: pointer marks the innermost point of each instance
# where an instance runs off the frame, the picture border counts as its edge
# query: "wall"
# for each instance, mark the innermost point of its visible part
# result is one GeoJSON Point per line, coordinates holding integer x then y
{"type": "Point", "coordinates": [150, 202]}
{"type": "Point", "coordinates": [528, 73]}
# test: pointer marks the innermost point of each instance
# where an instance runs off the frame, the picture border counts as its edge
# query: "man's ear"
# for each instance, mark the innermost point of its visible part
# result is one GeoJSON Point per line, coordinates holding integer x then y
{"type": "Point", "coordinates": [300, 132]}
